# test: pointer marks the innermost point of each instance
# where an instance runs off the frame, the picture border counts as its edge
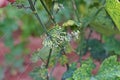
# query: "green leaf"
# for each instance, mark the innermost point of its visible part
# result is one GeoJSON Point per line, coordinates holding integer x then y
{"type": "Point", "coordinates": [31, 26]}
{"type": "Point", "coordinates": [39, 73]}
{"type": "Point", "coordinates": [9, 58]}
{"type": "Point", "coordinates": [84, 72]}
{"type": "Point", "coordinates": [112, 45]}
{"type": "Point", "coordinates": [19, 64]}
{"type": "Point", "coordinates": [109, 70]}
{"type": "Point", "coordinates": [113, 9]}
{"type": "Point", "coordinates": [7, 26]}
{"type": "Point", "coordinates": [67, 75]}
{"type": "Point", "coordinates": [41, 54]}
{"type": "Point", "coordinates": [96, 49]}
{"type": "Point", "coordinates": [17, 50]}
{"type": "Point", "coordinates": [63, 60]}
{"type": "Point", "coordinates": [68, 48]}
{"type": "Point", "coordinates": [103, 24]}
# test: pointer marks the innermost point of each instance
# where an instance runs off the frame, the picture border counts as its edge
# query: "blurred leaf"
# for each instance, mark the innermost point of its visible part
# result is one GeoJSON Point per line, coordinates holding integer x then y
{"type": "Point", "coordinates": [1, 73]}
{"type": "Point", "coordinates": [67, 75]}
{"type": "Point", "coordinates": [68, 48]}
{"type": "Point", "coordinates": [63, 60]}
{"type": "Point", "coordinates": [13, 58]}
{"type": "Point", "coordinates": [7, 26]}
{"type": "Point", "coordinates": [103, 24]}
{"type": "Point", "coordinates": [96, 49]}
{"type": "Point", "coordinates": [39, 73]}
{"type": "Point", "coordinates": [30, 26]}
{"type": "Point", "coordinates": [112, 45]}
{"type": "Point", "coordinates": [17, 49]}
{"type": "Point", "coordinates": [19, 64]}
{"type": "Point", "coordinates": [41, 54]}
{"type": "Point", "coordinates": [13, 12]}
{"type": "Point", "coordinates": [9, 58]}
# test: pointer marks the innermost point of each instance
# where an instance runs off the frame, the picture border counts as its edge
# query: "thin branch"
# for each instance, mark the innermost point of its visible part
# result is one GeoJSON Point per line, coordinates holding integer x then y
{"type": "Point", "coordinates": [76, 9]}
{"type": "Point", "coordinates": [82, 33]}
{"type": "Point", "coordinates": [67, 64]}
{"type": "Point", "coordinates": [48, 61]}
{"type": "Point", "coordinates": [57, 59]}
{"type": "Point", "coordinates": [37, 16]}
{"type": "Point", "coordinates": [89, 35]}
{"type": "Point", "coordinates": [49, 56]}
{"type": "Point", "coordinates": [51, 16]}
{"type": "Point", "coordinates": [93, 17]}
{"type": "Point", "coordinates": [35, 2]}
{"type": "Point", "coordinates": [81, 46]}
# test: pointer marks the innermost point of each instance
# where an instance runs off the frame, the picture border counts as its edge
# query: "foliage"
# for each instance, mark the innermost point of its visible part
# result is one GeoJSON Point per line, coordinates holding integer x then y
{"type": "Point", "coordinates": [39, 73]}
{"type": "Point", "coordinates": [84, 72]}
{"type": "Point", "coordinates": [1, 73]}
{"type": "Point", "coordinates": [112, 9]}
{"type": "Point", "coordinates": [60, 23]}
{"type": "Point", "coordinates": [107, 70]}
{"type": "Point", "coordinates": [112, 45]}
{"type": "Point", "coordinates": [97, 52]}
{"type": "Point", "coordinates": [67, 75]}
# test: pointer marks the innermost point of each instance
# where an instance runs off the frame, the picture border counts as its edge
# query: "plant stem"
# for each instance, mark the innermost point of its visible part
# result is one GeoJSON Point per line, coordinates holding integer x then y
{"type": "Point", "coordinates": [57, 59]}
{"type": "Point", "coordinates": [35, 2]}
{"type": "Point", "coordinates": [81, 45]}
{"type": "Point", "coordinates": [51, 16]}
{"type": "Point", "coordinates": [82, 33]}
{"type": "Point", "coordinates": [76, 9]}
{"type": "Point", "coordinates": [37, 16]}
{"type": "Point", "coordinates": [92, 17]}
{"type": "Point", "coordinates": [49, 56]}
{"type": "Point", "coordinates": [67, 64]}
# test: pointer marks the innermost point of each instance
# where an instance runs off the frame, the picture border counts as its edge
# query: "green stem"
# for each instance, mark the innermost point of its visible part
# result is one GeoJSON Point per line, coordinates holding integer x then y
{"type": "Point", "coordinates": [76, 9]}
{"type": "Point", "coordinates": [37, 16]}
{"type": "Point", "coordinates": [35, 2]}
{"type": "Point", "coordinates": [51, 16]}
{"type": "Point", "coordinates": [57, 59]}
{"type": "Point", "coordinates": [49, 56]}
{"type": "Point", "coordinates": [81, 45]}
